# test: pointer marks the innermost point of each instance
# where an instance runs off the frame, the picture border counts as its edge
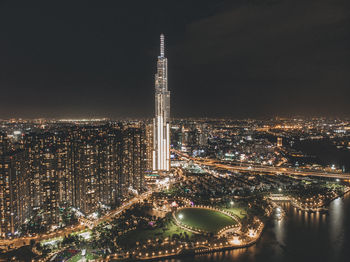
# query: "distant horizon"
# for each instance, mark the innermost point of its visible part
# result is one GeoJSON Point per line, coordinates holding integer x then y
{"type": "Point", "coordinates": [226, 59]}
{"type": "Point", "coordinates": [276, 118]}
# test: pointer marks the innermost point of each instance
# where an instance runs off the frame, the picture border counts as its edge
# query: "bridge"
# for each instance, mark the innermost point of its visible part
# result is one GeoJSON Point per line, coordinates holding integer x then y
{"type": "Point", "coordinates": [279, 197]}
{"type": "Point", "coordinates": [261, 169]}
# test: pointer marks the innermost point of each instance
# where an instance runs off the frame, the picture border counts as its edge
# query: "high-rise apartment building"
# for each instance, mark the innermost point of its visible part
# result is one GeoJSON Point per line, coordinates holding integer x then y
{"type": "Point", "coordinates": [46, 169]}
{"type": "Point", "coordinates": [86, 167]}
{"type": "Point", "coordinates": [149, 147]}
{"type": "Point", "coordinates": [279, 141]}
{"type": "Point", "coordinates": [11, 210]}
{"type": "Point", "coordinates": [134, 157]}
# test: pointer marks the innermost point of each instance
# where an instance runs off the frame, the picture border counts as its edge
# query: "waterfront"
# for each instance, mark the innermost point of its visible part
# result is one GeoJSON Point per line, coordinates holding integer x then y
{"type": "Point", "coordinates": [325, 152]}
{"type": "Point", "coordinates": [299, 237]}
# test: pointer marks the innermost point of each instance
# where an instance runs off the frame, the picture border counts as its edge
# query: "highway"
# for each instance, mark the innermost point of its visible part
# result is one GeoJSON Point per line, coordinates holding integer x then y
{"type": "Point", "coordinates": [232, 166]}
{"type": "Point", "coordinates": [260, 168]}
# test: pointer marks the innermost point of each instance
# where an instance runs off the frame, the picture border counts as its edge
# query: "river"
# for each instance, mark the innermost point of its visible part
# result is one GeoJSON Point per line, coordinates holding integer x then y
{"type": "Point", "coordinates": [298, 237]}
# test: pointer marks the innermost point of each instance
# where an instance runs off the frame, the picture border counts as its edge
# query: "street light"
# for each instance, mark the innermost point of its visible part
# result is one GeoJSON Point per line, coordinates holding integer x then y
{"type": "Point", "coordinates": [181, 216]}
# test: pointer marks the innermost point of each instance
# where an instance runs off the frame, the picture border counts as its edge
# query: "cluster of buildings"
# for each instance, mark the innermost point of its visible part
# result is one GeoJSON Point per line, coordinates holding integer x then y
{"type": "Point", "coordinates": [223, 139]}
{"type": "Point", "coordinates": [190, 136]}
{"type": "Point", "coordinates": [84, 167]}
{"type": "Point", "coordinates": [48, 166]}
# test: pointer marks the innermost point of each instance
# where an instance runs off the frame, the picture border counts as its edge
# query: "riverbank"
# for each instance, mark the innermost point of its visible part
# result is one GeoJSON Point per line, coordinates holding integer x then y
{"type": "Point", "coordinates": [303, 235]}
{"type": "Point", "coordinates": [199, 248]}
{"type": "Point", "coordinates": [323, 209]}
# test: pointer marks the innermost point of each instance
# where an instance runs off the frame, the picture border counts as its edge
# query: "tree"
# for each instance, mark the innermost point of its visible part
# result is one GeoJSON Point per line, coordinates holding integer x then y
{"type": "Point", "coordinates": [32, 242]}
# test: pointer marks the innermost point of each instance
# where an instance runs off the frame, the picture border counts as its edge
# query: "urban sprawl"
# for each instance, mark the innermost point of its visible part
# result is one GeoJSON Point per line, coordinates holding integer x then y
{"type": "Point", "coordinates": [106, 190]}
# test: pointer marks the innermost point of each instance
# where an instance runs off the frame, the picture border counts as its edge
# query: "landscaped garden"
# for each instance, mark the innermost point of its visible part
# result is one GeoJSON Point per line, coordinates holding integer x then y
{"type": "Point", "coordinates": [238, 211]}
{"type": "Point", "coordinates": [88, 256]}
{"type": "Point", "coordinates": [204, 219]}
{"type": "Point", "coordinates": [142, 235]}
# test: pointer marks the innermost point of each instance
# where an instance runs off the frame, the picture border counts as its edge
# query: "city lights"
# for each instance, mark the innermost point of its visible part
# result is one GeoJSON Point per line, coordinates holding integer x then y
{"type": "Point", "coordinates": [226, 176]}
{"type": "Point", "coordinates": [161, 142]}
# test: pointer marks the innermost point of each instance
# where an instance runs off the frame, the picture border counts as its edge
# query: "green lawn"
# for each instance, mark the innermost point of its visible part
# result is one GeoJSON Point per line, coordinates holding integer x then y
{"type": "Point", "coordinates": [88, 257]}
{"type": "Point", "coordinates": [59, 239]}
{"type": "Point", "coordinates": [205, 219]}
{"type": "Point", "coordinates": [46, 241]}
{"type": "Point", "coordinates": [142, 235]}
{"type": "Point", "coordinates": [80, 232]}
{"type": "Point", "coordinates": [238, 211]}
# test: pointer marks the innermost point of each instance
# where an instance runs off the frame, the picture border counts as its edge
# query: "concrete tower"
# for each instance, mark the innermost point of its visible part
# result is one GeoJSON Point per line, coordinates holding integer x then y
{"type": "Point", "coordinates": [161, 122]}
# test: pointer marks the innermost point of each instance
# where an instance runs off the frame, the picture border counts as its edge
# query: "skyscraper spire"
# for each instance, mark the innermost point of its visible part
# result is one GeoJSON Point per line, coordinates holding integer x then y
{"type": "Point", "coordinates": [162, 45]}
{"type": "Point", "coordinates": [161, 122]}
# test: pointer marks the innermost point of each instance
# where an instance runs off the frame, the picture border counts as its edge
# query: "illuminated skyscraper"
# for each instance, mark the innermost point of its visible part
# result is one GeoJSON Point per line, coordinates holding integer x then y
{"type": "Point", "coordinates": [279, 141]}
{"type": "Point", "coordinates": [133, 158]}
{"type": "Point", "coordinates": [161, 134]}
{"type": "Point", "coordinates": [149, 146]}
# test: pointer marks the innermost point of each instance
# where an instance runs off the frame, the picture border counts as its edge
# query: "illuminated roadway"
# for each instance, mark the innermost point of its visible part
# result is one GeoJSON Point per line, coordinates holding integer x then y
{"type": "Point", "coordinates": [18, 242]}
{"type": "Point", "coordinates": [261, 169]}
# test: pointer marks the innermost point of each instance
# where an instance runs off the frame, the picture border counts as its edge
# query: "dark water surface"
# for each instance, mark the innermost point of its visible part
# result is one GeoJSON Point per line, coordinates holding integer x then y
{"type": "Point", "coordinates": [326, 153]}
{"type": "Point", "coordinates": [298, 237]}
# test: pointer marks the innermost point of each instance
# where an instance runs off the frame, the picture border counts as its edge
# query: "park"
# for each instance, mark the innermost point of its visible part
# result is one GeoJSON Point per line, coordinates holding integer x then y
{"type": "Point", "coordinates": [204, 219]}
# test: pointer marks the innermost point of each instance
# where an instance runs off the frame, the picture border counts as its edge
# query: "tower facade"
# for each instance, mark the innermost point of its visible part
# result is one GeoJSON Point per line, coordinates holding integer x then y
{"type": "Point", "coordinates": [279, 141]}
{"type": "Point", "coordinates": [161, 122]}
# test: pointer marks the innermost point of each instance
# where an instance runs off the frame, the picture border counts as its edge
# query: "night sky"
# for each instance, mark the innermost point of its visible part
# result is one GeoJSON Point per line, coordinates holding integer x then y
{"type": "Point", "coordinates": [227, 58]}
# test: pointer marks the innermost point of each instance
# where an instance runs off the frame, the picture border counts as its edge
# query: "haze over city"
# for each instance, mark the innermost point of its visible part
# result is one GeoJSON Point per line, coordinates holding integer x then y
{"type": "Point", "coordinates": [228, 58]}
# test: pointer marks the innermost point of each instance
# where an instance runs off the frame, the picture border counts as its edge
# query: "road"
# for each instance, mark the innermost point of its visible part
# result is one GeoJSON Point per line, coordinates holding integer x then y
{"type": "Point", "coordinates": [23, 241]}
{"type": "Point", "coordinates": [262, 169]}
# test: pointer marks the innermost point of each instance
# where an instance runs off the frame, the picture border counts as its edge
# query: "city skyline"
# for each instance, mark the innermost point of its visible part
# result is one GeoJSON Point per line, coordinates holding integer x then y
{"type": "Point", "coordinates": [77, 64]}
{"type": "Point", "coordinates": [175, 130]}
{"type": "Point", "coordinates": [89, 185]}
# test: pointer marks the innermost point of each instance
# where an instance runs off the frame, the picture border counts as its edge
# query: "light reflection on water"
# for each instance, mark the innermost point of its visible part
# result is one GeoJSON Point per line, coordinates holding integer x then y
{"type": "Point", "coordinates": [336, 221]}
{"type": "Point", "coordinates": [279, 229]}
{"type": "Point", "coordinates": [298, 237]}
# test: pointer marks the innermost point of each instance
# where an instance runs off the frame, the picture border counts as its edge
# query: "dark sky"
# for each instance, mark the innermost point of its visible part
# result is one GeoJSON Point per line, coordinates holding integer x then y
{"type": "Point", "coordinates": [230, 58]}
